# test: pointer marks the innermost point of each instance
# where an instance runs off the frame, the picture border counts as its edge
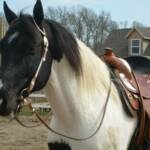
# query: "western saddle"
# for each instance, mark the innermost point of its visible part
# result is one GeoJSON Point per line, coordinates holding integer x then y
{"type": "Point", "coordinates": [133, 77]}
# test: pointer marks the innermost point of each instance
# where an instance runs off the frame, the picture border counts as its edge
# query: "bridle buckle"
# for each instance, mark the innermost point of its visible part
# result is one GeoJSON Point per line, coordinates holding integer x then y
{"type": "Point", "coordinates": [24, 93]}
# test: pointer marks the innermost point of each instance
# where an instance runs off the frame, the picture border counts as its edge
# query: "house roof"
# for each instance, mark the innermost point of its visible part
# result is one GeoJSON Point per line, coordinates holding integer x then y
{"type": "Point", "coordinates": [118, 42]}
{"type": "Point", "coordinates": [143, 31]}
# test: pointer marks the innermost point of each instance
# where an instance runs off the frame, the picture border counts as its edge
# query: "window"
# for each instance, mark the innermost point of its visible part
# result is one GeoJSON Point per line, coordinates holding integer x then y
{"type": "Point", "coordinates": [135, 47]}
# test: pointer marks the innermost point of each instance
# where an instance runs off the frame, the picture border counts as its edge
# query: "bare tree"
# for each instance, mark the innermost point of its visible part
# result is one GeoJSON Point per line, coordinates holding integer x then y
{"type": "Point", "coordinates": [88, 26]}
{"type": "Point", "coordinates": [103, 25]}
{"type": "Point", "coordinates": [75, 19]}
{"type": "Point", "coordinates": [137, 24]}
{"type": "Point", "coordinates": [123, 24]}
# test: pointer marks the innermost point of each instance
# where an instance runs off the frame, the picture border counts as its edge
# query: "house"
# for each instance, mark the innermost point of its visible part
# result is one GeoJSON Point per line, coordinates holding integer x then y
{"type": "Point", "coordinates": [129, 42]}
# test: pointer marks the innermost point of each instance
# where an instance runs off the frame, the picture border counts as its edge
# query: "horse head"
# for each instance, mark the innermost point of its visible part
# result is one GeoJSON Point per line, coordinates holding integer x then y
{"type": "Point", "coordinates": [21, 50]}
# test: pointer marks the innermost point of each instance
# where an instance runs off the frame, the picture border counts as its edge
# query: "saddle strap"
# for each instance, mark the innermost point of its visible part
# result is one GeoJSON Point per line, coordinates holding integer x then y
{"type": "Point", "coordinates": [143, 132]}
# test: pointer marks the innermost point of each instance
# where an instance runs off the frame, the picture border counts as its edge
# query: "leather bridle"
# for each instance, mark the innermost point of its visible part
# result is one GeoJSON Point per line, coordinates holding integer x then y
{"type": "Point", "coordinates": [27, 91]}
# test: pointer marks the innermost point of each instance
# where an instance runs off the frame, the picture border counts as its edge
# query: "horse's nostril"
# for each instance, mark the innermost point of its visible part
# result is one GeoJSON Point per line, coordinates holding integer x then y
{"type": "Point", "coordinates": [1, 101]}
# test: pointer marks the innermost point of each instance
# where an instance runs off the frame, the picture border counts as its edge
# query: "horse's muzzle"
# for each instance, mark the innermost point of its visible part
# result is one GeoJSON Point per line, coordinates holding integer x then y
{"type": "Point", "coordinates": [7, 103]}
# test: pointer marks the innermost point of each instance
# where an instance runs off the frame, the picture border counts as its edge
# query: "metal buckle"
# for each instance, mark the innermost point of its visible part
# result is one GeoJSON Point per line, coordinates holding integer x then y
{"type": "Point", "coordinates": [24, 93]}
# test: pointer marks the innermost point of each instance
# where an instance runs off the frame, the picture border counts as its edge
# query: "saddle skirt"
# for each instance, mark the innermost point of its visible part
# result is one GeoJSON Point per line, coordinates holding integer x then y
{"type": "Point", "coordinates": [133, 75]}
{"type": "Point", "coordinates": [143, 90]}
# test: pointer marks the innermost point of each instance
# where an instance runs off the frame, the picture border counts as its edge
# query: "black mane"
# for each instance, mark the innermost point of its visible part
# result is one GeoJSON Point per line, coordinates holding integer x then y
{"type": "Point", "coordinates": [64, 42]}
{"type": "Point", "coordinates": [61, 41]}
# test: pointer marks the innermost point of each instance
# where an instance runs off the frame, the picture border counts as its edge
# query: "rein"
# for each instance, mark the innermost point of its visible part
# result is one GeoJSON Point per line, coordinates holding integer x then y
{"type": "Point", "coordinates": [29, 104]}
{"type": "Point", "coordinates": [26, 92]}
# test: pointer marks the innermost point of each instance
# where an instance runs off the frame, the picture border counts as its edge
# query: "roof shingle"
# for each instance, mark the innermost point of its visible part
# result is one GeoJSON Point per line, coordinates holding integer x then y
{"type": "Point", "coordinates": [118, 42]}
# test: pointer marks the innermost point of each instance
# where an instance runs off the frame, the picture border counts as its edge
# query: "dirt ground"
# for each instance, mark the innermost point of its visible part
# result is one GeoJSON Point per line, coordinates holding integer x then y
{"type": "Point", "coordinates": [15, 137]}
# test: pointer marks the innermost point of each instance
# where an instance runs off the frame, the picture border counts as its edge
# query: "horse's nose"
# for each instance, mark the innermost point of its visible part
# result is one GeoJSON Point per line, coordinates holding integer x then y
{"type": "Point", "coordinates": [3, 104]}
{"type": "Point", "coordinates": [8, 102]}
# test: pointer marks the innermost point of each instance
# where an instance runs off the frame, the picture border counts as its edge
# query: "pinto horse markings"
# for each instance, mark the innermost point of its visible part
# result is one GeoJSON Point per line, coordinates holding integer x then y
{"type": "Point", "coordinates": [76, 82]}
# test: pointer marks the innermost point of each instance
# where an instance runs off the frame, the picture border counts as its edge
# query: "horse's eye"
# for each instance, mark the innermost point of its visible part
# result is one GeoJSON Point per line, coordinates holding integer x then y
{"type": "Point", "coordinates": [30, 51]}
{"type": "Point", "coordinates": [13, 37]}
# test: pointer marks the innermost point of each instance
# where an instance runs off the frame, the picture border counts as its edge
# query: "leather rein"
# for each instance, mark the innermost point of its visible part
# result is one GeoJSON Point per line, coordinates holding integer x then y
{"type": "Point", "coordinates": [25, 101]}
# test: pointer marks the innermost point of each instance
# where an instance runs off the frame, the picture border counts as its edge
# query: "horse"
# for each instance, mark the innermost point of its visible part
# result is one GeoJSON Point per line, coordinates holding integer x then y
{"type": "Point", "coordinates": [86, 104]}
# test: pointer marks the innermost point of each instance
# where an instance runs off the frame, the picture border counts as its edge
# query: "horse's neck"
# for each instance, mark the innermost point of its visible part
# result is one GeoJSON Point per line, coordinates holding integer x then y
{"type": "Point", "coordinates": [61, 92]}
{"type": "Point", "coordinates": [77, 103]}
{"type": "Point", "coordinates": [64, 93]}
{"type": "Point", "coordinates": [78, 99]}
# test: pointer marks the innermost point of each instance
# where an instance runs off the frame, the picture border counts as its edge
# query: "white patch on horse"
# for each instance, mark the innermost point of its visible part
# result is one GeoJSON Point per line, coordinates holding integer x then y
{"type": "Point", "coordinates": [78, 102]}
{"type": "Point", "coordinates": [12, 37]}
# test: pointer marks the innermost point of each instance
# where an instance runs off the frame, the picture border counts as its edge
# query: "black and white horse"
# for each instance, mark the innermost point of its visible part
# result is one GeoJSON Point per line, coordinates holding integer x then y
{"type": "Point", "coordinates": [86, 105]}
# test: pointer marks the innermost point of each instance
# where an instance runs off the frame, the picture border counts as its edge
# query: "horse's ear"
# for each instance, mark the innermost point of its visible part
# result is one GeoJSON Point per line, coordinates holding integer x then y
{"type": "Point", "coordinates": [9, 14]}
{"type": "Point", "coordinates": [38, 13]}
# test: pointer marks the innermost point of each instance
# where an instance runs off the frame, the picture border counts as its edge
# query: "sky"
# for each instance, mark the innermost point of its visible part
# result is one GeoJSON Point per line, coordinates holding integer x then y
{"type": "Point", "coordinates": [120, 10]}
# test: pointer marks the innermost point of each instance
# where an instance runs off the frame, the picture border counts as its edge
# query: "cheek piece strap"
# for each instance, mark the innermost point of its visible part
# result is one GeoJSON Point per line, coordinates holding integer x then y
{"type": "Point", "coordinates": [27, 91]}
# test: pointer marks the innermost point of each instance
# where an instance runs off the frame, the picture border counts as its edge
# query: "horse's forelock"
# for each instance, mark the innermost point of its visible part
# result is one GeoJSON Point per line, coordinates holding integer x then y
{"type": "Point", "coordinates": [27, 25]}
